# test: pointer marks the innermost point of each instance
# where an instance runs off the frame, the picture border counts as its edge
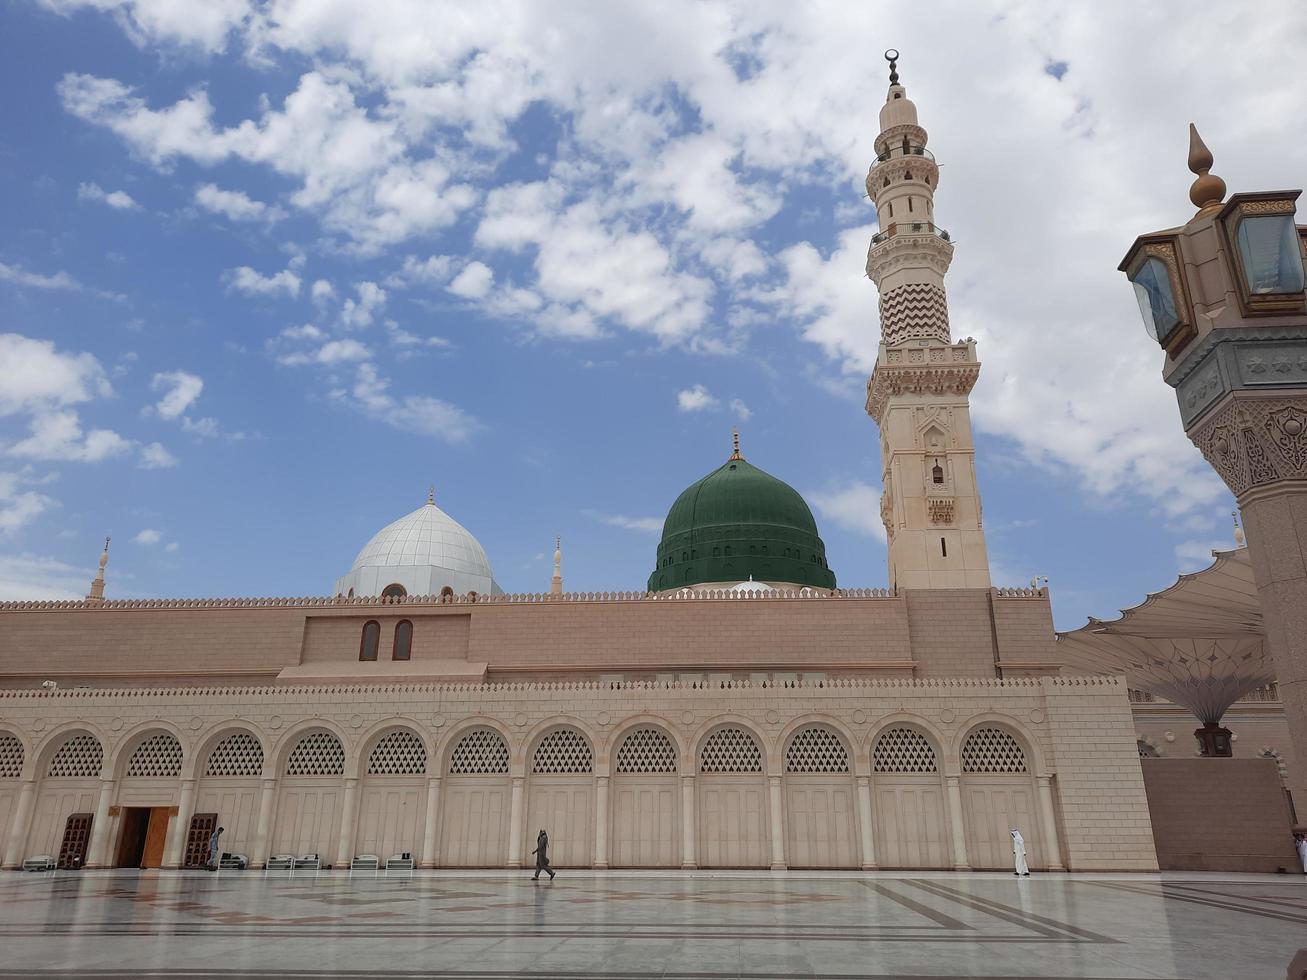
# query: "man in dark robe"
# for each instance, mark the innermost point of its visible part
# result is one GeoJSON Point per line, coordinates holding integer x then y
{"type": "Point", "coordinates": [542, 856]}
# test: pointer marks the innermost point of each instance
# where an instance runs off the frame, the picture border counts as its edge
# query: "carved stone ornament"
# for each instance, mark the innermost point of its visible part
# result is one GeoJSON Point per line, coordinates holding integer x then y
{"type": "Point", "coordinates": [940, 510]}
{"type": "Point", "coordinates": [1252, 442]}
{"type": "Point", "coordinates": [897, 168]}
{"type": "Point", "coordinates": [887, 513]}
{"type": "Point", "coordinates": [908, 249]}
{"type": "Point", "coordinates": [894, 136]}
{"type": "Point", "coordinates": [889, 380]}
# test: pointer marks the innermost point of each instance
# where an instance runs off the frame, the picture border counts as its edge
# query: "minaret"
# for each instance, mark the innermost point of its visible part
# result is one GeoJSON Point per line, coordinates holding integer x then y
{"type": "Point", "coordinates": [918, 392]}
{"type": "Point", "coordinates": [96, 596]}
{"type": "Point", "coordinates": [556, 583]}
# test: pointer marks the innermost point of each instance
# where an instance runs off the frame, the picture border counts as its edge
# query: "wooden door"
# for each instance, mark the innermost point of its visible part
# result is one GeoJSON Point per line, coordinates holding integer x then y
{"type": "Point", "coordinates": [392, 818]}
{"type": "Point", "coordinates": [733, 822]}
{"type": "Point", "coordinates": [910, 826]}
{"type": "Point", "coordinates": [76, 840]}
{"type": "Point", "coordinates": [646, 820]}
{"type": "Point", "coordinates": [563, 806]}
{"type": "Point", "coordinates": [821, 821]}
{"type": "Point", "coordinates": [995, 805]}
{"type": "Point", "coordinates": [156, 836]}
{"type": "Point", "coordinates": [475, 822]}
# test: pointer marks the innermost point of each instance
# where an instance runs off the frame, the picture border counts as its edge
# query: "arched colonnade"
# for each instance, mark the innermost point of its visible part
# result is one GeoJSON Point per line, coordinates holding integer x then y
{"type": "Point", "coordinates": [647, 794]}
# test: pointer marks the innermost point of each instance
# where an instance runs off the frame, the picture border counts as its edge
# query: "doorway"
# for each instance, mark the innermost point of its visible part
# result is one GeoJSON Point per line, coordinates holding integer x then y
{"type": "Point", "coordinates": [143, 835]}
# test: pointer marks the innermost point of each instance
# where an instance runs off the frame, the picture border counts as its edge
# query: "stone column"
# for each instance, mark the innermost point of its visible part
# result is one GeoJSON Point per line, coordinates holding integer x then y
{"type": "Point", "coordinates": [349, 823]}
{"type": "Point", "coordinates": [175, 850]}
{"type": "Point", "coordinates": [429, 834]}
{"type": "Point", "coordinates": [99, 846]}
{"type": "Point", "coordinates": [689, 824]}
{"type": "Point", "coordinates": [13, 856]}
{"type": "Point", "coordinates": [515, 818]}
{"type": "Point", "coordinates": [263, 831]}
{"type": "Point", "coordinates": [777, 825]}
{"type": "Point", "coordinates": [601, 822]}
{"type": "Point", "coordinates": [955, 823]}
{"type": "Point", "coordinates": [864, 824]}
{"type": "Point", "coordinates": [1052, 848]}
{"type": "Point", "coordinates": [1275, 523]}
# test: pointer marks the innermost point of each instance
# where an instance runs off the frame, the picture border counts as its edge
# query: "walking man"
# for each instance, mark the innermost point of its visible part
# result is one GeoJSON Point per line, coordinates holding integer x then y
{"type": "Point", "coordinates": [1300, 842]}
{"type": "Point", "coordinates": [215, 850]}
{"type": "Point", "coordinates": [542, 856]}
{"type": "Point", "coordinates": [1019, 854]}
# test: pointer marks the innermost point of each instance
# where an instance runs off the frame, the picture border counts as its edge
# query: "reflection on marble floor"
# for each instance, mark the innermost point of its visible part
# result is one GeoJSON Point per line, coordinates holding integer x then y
{"type": "Point", "coordinates": [634, 927]}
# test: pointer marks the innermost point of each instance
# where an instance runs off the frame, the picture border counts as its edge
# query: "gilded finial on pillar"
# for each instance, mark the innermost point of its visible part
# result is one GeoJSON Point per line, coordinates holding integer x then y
{"type": "Point", "coordinates": [1238, 531]}
{"type": "Point", "coordinates": [735, 441]}
{"type": "Point", "coordinates": [1208, 189]}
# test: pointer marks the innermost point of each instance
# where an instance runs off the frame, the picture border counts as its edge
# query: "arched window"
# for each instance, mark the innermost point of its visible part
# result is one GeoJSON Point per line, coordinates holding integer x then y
{"type": "Point", "coordinates": [937, 473]}
{"type": "Point", "coordinates": [394, 591]}
{"type": "Point", "coordinates": [992, 750]}
{"type": "Point", "coordinates": [403, 640]}
{"type": "Point", "coordinates": [370, 641]}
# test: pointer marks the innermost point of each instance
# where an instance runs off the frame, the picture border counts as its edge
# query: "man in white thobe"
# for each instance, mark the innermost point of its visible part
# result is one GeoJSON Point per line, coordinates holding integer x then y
{"type": "Point", "coordinates": [1019, 854]}
{"type": "Point", "coordinates": [1301, 843]}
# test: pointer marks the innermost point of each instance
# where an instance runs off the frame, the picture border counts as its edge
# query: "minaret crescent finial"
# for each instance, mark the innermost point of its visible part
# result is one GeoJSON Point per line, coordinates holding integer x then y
{"type": "Point", "coordinates": [892, 56]}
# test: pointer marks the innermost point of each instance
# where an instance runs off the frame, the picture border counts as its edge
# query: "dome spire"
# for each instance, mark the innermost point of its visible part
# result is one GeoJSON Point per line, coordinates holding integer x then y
{"type": "Point", "coordinates": [735, 443]}
{"type": "Point", "coordinates": [431, 495]}
{"type": "Point", "coordinates": [96, 595]}
{"type": "Point", "coordinates": [892, 56]}
{"type": "Point", "coordinates": [1208, 189]}
{"type": "Point", "coordinates": [556, 583]}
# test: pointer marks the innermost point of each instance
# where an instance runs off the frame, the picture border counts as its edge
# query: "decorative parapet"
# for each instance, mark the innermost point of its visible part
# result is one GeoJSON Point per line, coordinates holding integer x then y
{"type": "Point", "coordinates": [1019, 593]}
{"type": "Point", "coordinates": [271, 693]}
{"type": "Point", "coordinates": [316, 602]}
{"type": "Point", "coordinates": [938, 371]}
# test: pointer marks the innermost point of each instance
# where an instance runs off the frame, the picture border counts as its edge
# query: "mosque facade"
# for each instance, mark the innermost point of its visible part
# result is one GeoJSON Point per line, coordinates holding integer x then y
{"type": "Point", "coordinates": [746, 711]}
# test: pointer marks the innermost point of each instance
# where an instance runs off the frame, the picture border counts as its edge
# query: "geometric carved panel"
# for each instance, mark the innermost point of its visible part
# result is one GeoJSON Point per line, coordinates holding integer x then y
{"type": "Point", "coordinates": [730, 750]}
{"type": "Point", "coordinates": [904, 750]}
{"type": "Point", "coordinates": [480, 752]}
{"type": "Point", "coordinates": [158, 755]}
{"type": "Point", "coordinates": [399, 753]}
{"type": "Point", "coordinates": [11, 756]}
{"type": "Point", "coordinates": [564, 750]}
{"type": "Point", "coordinates": [992, 750]}
{"type": "Point", "coordinates": [317, 754]}
{"type": "Point", "coordinates": [816, 749]}
{"type": "Point", "coordinates": [646, 750]}
{"type": "Point", "coordinates": [239, 754]}
{"type": "Point", "coordinates": [80, 756]}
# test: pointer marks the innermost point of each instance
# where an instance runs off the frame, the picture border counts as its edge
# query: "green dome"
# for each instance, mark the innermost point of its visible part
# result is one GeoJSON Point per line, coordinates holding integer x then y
{"type": "Point", "coordinates": [739, 522]}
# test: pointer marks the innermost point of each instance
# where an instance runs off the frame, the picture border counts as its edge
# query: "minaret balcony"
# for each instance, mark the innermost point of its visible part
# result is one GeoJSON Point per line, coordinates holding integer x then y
{"type": "Point", "coordinates": [910, 228]}
{"type": "Point", "coordinates": [903, 151]}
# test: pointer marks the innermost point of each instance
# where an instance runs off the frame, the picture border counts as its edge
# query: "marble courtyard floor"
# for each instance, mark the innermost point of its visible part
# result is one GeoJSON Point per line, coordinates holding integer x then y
{"type": "Point", "coordinates": [684, 926]}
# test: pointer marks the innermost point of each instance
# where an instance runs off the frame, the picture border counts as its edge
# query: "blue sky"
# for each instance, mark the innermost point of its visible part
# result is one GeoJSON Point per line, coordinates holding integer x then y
{"type": "Point", "coordinates": [269, 270]}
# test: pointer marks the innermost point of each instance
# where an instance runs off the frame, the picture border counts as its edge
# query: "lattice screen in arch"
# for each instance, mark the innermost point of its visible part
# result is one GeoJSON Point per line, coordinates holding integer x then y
{"type": "Point", "coordinates": [992, 750]}
{"type": "Point", "coordinates": [80, 756]}
{"type": "Point", "coordinates": [11, 756]}
{"type": "Point", "coordinates": [399, 753]}
{"type": "Point", "coordinates": [481, 752]}
{"type": "Point", "coordinates": [816, 749]}
{"type": "Point", "coordinates": [317, 754]}
{"type": "Point", "coordinates": [564, 750]}
{"type": "Point", "coordinates": [904, 750]}
{"type": "Point", "coordinates": [646, 750]}
{"type": "Point", "coordinates": [730, 750]}
{"type": "Point", "coordinates": [158, 755]}
{"type": "Point", "coordinates": [239, 754]}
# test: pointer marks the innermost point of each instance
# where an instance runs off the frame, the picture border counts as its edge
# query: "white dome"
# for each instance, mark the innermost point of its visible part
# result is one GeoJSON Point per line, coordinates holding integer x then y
{"type": "Point", "coordinates": [424, 551]}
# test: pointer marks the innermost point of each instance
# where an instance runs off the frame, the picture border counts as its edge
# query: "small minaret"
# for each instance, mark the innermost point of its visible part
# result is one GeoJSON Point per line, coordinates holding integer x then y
{"type": "Point", "coordinates": [919, 390]}
{"type": "Point", "coordinates": [556, 583]}
{"type": "Point", "coordinates": [96, 596]}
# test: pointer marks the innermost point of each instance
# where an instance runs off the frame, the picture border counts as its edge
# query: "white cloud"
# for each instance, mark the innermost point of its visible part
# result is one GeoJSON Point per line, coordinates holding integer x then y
{"type": "Point", "coordinates": [332, 352]}
{"type": "Point", "coordinates": [250, 283]}
{"type": "Point", "coordinates": [648, 525]}
{"type": "Point", "coordinates": [696, 399]}
{"type": "Point", "coordinates": [118, 200]}
{"type": "Point", "coordinates": [202, 23]}
{"type": "Point", "coordinates": [34, 375]}
{"type": "Point", "coordinates": [1195, 555]}
{"type": "Point", "coordinates": [419, 414]}
{"type": "Point", "coordinates": [854, 506]}
{"type": "Point", "coordinates": [21, 277]}
{"type": "Point", "coordinates": [360, 313]}
{"type": "Point", "coordinates": [148, 536]}
{"type": "Point", "coordinates": [27, 576]}
{"type": "Point", "coordinates": [741, 410]}
{"type": "Point", "coordinates": [433, 270]}
{"type": "Point", "coordinates": [171, 546]}
{"type": "Point", "coordinates": [322, 292]}
{"type": "Point", "coordinates": [235, 205]}
{"type": "Point", "coordinates": [18, 506]}
{"type": "Point", "coordinates": [473, 282]}
{"type": "Point", "coordinates": [155, 457]}
{"type": "Point", "coordinates": [180, 390]}
{"type": "Point", "coordinates": [58, 435]}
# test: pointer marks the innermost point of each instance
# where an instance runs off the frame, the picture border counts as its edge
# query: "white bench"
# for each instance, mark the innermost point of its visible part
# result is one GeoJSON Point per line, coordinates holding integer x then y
{"type": "Point", "coordinates": [41, 862]}
{"type": "Point", "coordinates": [365, 862]}
{"type": "Point", "coordinates": [400, 862]}
{"type": "Point", "coordinates": [280, 862]}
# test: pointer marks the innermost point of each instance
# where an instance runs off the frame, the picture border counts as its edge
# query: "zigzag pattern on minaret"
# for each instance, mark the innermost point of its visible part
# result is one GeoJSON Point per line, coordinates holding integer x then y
{"type": "Point", "coordinates": [912, 311]}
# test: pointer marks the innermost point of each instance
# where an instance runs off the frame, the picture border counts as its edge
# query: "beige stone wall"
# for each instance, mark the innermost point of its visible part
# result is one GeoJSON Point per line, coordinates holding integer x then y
{"type": "Point", "coordinates": [1071, 776]}
{"type": "Point", "coordinates": [939, 633]}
